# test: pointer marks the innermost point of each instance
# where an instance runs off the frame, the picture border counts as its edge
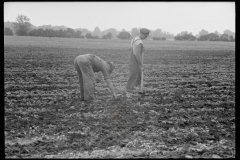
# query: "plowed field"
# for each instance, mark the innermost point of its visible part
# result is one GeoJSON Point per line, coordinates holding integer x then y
{"type": "Point", "coordinates": [188, 110]}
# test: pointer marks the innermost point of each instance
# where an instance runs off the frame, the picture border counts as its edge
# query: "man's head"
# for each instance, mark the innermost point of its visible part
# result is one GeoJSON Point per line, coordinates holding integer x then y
{"type": "Point", "coordinates": [111, 67]}
{"type": "Point", "coordinates": [144, 33]}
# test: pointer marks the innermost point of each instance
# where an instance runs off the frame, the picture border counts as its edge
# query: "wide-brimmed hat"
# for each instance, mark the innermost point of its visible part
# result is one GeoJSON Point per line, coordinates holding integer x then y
{"type": "Point", "coordinates": [144, 31]}
{"type": "Point", "coordinates": [112, 66]}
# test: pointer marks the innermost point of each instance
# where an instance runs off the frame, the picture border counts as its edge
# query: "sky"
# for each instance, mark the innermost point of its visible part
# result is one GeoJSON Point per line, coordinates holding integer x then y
{"type": "Point", "coordinates": [172, 17]}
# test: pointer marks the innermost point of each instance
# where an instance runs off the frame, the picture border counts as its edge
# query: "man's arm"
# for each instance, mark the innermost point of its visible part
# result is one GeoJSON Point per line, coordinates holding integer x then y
{"type": "Point", "coordinates": [138, 51]}
{"type": "Point", "coordinates": [110, 86]}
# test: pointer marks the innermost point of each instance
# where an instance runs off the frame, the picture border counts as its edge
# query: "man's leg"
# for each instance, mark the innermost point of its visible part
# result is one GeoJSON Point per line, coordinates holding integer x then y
{"type": "Point", "coordinates": [138, 83]}
{"type": "Point", "coordinates": [88, 79]}
{"type": "Point", "coordinates": [80, 78]}
{"type": "Point", "coordinates": [132, 81]}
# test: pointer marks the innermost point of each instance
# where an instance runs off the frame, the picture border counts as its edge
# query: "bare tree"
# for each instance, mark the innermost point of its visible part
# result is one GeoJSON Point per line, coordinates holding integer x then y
{"type": "Point", "coordinates": [22, 26]}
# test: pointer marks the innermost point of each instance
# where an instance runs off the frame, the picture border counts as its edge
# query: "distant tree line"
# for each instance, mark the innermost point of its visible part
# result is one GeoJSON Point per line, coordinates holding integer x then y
{"type": "Point", "coordinates": [8, 31]}
{"type": "Point", "coordinates": [23, 28]}
{"type": "Point", "coordinates": [185, 37]}
{"type": "Point", "coordinates": [124, 35]}
{"type": "Point", "coordinates": [107, 36]}
{"type": "Point", "coordinates": [90, 36]}
{"type": "Point", "coordinates": [204, 36]}
{"type": "Point", "coordinates": [215, 37]}
{"type": "Point", "coordinates": [69, 33]}
{"type": "Point", "coordinates": [159, 38]}
{"type": "Point", "coordinates": [161, 35]}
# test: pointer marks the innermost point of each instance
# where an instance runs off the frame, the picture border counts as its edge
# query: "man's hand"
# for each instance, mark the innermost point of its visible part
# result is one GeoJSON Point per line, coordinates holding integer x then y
{"type": "Point", "coordinates": [110, 86]}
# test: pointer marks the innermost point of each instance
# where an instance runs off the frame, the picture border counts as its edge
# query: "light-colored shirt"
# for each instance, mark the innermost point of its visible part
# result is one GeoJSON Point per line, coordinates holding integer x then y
{"type": "Point", "coordinates": [136, 42]}
{"type": "Point", "coordinates": [98, 64]}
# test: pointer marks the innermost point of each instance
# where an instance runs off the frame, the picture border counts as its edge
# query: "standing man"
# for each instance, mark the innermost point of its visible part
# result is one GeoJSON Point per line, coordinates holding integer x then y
{"type": "Point", "coordinates": [86, 65]}
{"type": "Point", "coordinates": [136, 61]}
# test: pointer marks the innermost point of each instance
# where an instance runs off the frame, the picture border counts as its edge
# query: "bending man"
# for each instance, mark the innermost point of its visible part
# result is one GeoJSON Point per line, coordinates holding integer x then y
{"type": "Point", "coordinates": [86, 65]}
{"type": "Point", "coordinates": [135, 61]}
